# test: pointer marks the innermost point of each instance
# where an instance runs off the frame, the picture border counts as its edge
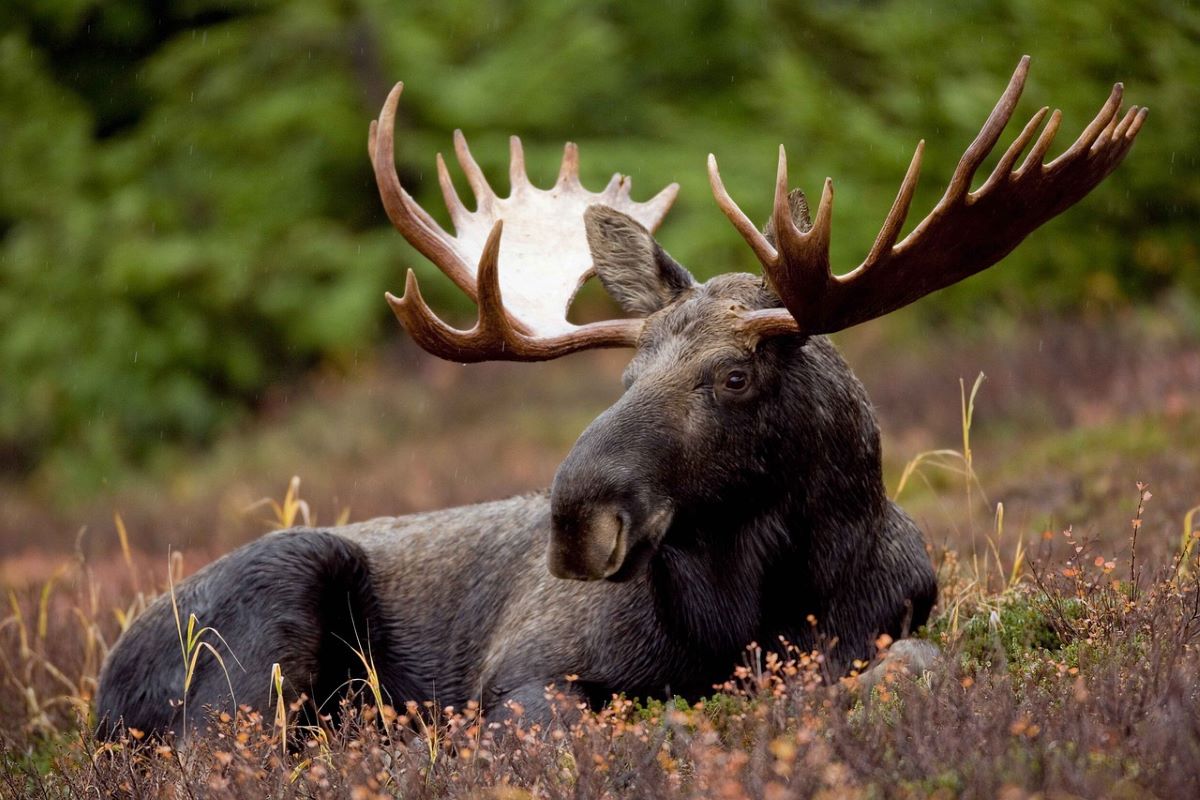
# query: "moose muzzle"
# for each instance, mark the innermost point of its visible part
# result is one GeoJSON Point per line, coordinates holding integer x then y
{"type": "Point", "coordinates": [607, 518]}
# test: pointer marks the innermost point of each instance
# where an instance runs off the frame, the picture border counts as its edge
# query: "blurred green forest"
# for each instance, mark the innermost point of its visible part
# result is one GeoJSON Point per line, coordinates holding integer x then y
{"type": "Point", "coordinates": [187, 214]}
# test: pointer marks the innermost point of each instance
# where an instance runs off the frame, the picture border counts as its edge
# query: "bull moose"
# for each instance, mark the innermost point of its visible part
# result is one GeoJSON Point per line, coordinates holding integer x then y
{"type": "Point", "coordinates": [733, 493]}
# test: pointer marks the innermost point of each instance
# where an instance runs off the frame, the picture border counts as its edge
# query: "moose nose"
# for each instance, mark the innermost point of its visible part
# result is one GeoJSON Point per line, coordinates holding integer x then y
{"type": "Point", "coordinates": [590, 548]}
{"type": "Point", "coordinates": [605, 505]}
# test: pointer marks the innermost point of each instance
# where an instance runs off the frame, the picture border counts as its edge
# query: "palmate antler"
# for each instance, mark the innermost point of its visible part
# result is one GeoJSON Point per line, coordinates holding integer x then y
{"type": "Point", "coordinates": [965, 233]}
{"type": "Point", "coordinates": [523, 286]}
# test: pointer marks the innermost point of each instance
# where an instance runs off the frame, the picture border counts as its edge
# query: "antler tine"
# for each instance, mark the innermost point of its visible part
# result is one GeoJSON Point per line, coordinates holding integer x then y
{"type": "Point", "coordinates": [1038, 153]}
{"type": "Point", "coordinates": [406, 216]}
{"type": "Point", "coordinates": [625, 192]}
{"type": "Point", "coordinates": [781, 209]}
{"type": "Point", "coordinates": [412, 211]}
{"type": "Point", "coordinates": [1106, 135]}
{"type": "Point", "coordinates": [758, 243]}
{"type": "Point", "coordinates": [484, 195]}
{"type": "Point", "coordinates": [496, 335]}
{"type": "Point", "coordinates": [568, 173]}
{"type": "Point", "coordinates": [658, 205]}
{"type": "Point", "coordinates": [1095, 128]}
{"type": "Point", "coordinates": [495, 325]}
{"type": "Point", "coordinates": [890, 232]}
{"type": "Point", "coordinates": [458, 211]}
{"type": "Point", "coordinates": [518, 178]}
{"type": "Point", "coordinates": [614, 187]}
{"type": "Point", "coordinates": [1003, 168]}
{"type": "Point", "coordinates": [1127, 122]}
{"type": "Point", "coordinates": [1122, 136]}
{"type": "Point", "coordinates": [494, 329]}
{"type": "Point", "coordinates": [1137, 124]}
{"type": "Point", "coordinates": [989, 134]}
{"type": "Point", "coordinates": [426, 329]}
{"type": "Point", "coordinates": [800, 272]}
{"type": "Point", "coordinates": [409, 213]}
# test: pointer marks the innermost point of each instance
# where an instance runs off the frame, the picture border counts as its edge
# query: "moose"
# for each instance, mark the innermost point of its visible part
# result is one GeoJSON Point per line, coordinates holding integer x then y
{"type": "Point", "coordinates": [733, 493]}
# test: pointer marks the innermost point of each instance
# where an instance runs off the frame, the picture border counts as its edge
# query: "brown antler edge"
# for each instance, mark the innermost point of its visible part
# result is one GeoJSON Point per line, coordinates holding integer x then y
{"type": "Point", "coordinates": [965, 233]}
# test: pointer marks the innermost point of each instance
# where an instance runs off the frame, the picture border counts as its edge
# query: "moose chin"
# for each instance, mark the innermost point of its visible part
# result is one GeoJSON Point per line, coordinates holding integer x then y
{"type": "Point", "coordinates": [734, 492]}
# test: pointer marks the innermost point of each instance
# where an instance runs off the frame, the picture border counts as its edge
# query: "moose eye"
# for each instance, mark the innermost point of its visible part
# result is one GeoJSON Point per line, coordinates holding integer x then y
{"type": "Point", "coordinates": [736, 381]}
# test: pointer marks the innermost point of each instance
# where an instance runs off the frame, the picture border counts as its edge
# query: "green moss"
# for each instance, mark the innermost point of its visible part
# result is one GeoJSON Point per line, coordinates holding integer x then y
{"type": "Point", "coordinates": [1006, 634]}
{"type": "Point", "coordinates": [945, 784]}
{"type": "Point", "coordinates": [655, 710]}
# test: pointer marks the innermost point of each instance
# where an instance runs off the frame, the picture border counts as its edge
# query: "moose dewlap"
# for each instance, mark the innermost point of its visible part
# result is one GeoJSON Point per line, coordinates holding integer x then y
{"type": "Point", "coordinates": [733, 493]}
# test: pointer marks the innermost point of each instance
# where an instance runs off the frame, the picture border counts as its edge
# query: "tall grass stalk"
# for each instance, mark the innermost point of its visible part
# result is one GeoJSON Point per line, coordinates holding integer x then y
{"type": "Point", "coordinates": [962, 464]}
{"type": "Point", "coordinates": [967, 406]}
{"type": "Point", "coordinates": [293, 509]}
{"type": "Point", "coordinates": [281, 711]}
{"type": "Point", "coordinates": [192, 645]}
{"type": "Point", "coordinates": [1136, 525]}
{"type": "Point", "coordinates": [1187, 541]}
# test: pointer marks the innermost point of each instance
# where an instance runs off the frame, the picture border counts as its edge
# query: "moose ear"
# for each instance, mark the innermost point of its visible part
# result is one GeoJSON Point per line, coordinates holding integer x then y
{"type": "Point", "coordinates": [633, 268]}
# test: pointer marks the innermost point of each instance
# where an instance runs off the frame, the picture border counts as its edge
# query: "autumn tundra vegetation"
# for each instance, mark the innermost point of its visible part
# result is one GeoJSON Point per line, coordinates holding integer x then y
{"type": "Point", "coordinates": [1057, 496]}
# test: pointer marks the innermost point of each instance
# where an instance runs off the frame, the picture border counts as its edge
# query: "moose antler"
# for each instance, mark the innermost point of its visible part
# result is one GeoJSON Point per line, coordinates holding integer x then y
{"type": "Point", "coordinates": [965, 233]}
{"type": "Point", "coordinates": [545, 258]}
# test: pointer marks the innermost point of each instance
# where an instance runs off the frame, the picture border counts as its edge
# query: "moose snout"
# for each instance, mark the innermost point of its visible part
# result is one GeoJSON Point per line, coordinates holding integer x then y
{"type": "Point", "coordinates": [608, 510]}
{"type": "Point", "coordinates": [600, 531]}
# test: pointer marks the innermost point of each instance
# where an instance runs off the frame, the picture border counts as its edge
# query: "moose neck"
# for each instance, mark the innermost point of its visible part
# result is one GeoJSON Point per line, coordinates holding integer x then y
{"type": "Point", "coordinates": [832, 486]}
{"type": "Point", "coordinates": [708, 574]}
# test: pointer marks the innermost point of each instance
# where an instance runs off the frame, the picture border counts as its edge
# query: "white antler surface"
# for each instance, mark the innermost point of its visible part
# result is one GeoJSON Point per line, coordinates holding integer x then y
{"type": "Point", "coordinates": [544, 256]}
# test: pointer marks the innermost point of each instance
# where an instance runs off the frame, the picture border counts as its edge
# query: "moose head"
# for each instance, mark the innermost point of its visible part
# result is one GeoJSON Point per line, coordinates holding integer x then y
{"type": "Point", "coordinates": [728, 375]}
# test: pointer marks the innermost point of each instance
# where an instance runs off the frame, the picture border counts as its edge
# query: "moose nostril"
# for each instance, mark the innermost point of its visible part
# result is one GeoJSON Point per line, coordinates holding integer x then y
{"type": "Point", "coordinates": [620, 544]}
{"type": "Point", "coordinates": [604, 540]}
{"type": "Point", "coordinates": [591, 549]}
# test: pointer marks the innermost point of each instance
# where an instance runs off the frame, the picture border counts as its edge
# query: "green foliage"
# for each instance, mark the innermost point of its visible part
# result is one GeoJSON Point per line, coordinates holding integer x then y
{"type": "Point", "coordinates": [187, 214]}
